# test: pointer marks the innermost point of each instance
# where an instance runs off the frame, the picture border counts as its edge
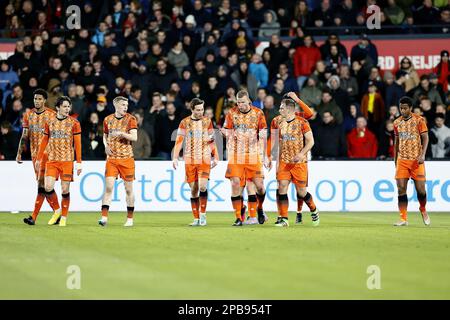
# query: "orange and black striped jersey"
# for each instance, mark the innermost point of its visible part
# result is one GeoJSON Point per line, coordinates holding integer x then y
{"type": "Point", "coordinates": [198, 136]}
{"type": "Point", "coordinates": [408, 132]}
{"type": "Point", "coordinates": [120, 148]}
{"type": "Point", "coordinates": [61, 133]}
{"type": "Point", "coordinates": [35, 123]}
{"type": "Point", "coordinates": [243, 141]}
{"type": "Point", "coordinates": [290, 136]}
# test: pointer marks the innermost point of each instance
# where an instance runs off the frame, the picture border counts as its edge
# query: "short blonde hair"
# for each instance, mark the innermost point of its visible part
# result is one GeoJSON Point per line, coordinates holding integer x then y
{"type": "Point", "coordinates": [118, 99]}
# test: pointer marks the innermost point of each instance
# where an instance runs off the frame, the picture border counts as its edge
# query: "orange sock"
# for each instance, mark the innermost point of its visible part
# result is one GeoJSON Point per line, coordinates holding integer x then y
{"type": "Point", "coordinates": [403, 207]}
{"type": "Point", "coordinates": [52, 199]}
{"type": "Point", "coordinates": [65, 202]}
{"type": "Point", "coordinates": [422, 201]}
{"type": "Point", "coordinates": [105, 210]}
{"type": "Point", "coordinates": [284, 205]}
{"type": "Point", "coordinates": [203, 201]}
{"type": "Point", "coordinates": [309, 202]}
{"type": "Point", "coordinates": [195, 206]}
{"type": "Point", "coordinates": [252, 205]}
{"type": "Point", "coordinates": [38, 203]}
{"type": "Point", "coordinates": [237, 206]}
{"type": "Point", "coordinates": [130, 211]}
{"type": "Point", "coordinates": [299, 203]}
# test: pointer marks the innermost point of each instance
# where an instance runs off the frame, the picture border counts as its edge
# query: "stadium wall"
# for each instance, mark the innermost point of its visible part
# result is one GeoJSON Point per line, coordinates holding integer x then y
{"type": "Point", "coordinates": [335, 185]}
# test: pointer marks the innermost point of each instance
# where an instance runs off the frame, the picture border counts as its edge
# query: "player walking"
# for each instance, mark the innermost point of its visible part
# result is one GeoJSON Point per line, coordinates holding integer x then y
{"type": "Point", "coordinates": [60, 134]}
{"type": "Point", "coordinates": [33, 131]}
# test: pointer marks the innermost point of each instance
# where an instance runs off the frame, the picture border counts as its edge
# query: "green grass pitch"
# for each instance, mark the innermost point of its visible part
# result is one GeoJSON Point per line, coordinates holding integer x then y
{"type": "Point", "coordinates": [162, 258]}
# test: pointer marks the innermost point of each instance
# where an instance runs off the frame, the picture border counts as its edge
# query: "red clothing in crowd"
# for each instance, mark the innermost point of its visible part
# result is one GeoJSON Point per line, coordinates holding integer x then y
{"type": "Point", "coordinates": [362, 144]}
{"type": "Point", "coordinates": [305, 59]}
{"type": "Point", "coordinates": [442, 70]}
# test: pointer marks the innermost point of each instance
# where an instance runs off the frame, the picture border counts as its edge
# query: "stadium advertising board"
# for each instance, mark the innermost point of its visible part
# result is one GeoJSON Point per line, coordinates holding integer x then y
{"type": "Point", "coordinates": [335, 186]}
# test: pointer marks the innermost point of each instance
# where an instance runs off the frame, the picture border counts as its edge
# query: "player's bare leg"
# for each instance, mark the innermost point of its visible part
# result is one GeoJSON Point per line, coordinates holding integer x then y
{"type": "Point", "coordinates": [65, 202]}
{"type": "Point", "coordinates": [195, 203]}
{"type": "Point", "coordinates": [422, 197]}
{"type": "Point", "coordinates": [130, 202]}
{"type": "Point", "coordinates": [236, 199]}
{"type": "Point", "coordinates": [106, 202]}
{"type": "Point", "coordinates": [402, 185]}
{"type": "Point", "coordinates": [52, 198]}
{"type": "Point", "coordinates": [282, 204]}
{"type": "Point", "coordinates": [252, 203]}
{"type": "Point", "coordinates": [306, 197]}
{"type": "Point", "coordinates": [203, 183]}
{"type": "Point", "coordinates": [260, 195]}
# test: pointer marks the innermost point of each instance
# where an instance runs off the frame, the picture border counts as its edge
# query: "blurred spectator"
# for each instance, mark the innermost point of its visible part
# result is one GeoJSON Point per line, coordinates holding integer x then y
{"type": "Point", "coordinates": [165, 130]}
{"type": "Point", "coordinates": [8, 77]}
{"type": "Point", "coordinates": [339, 95]}
{"type": "Point", "coordinates": [278, 54]}
{"type": "Point", "coordinates": [333, 40]}
{"type": "Point", "coordinates": [329, 142]}
{"type": "Point", "coordinates": [426, 90]}
{"type": "Point", "coordinates": [177, 57]}
{"type": "Point", "coordinates": [426, 14]}
{"type": "Point", "coordinates": [136, 100]}
{"type": "Point", "coordinates": [443, 69]}
{"type": "Point", "coordinates": [256, 15]}
{"type": "Point", "coordinates": [440, 108]}
{"type": "Point", "coordinates": [396, 90]}
{"type": "Point", "coordinates": [441, 149]}
{"type": "Point", "coordinates": [393, 112]}
{"type": "Point", "coordinates": [162, 77]}
{"type": "Point", "coordinates": [350, 118]}
{"type": "Point", "coordinates": [212, 93]}
{"type": "Point", "coordinates": [386, 141]}
{"type": "Point", "coordinates": [372, 107]}
{"type": "Point", "coordinates": [365, 49]}
{"type": "Point", "coordinates": [270, 109]}
{"type": "Point", "coordinates": [427, 109]}
{"type": "Point", "coordinates": [92, 141]}
{"type": "Point", "coordinates": [394, 13]}
{"type": "Point", "coordinates": [243, 78]}
{"type": "Point", "coordinates": [54, 92]}
{"type": "Point", "coordinates": [329, 105]}
{"type": "Point", "coordinates": [305, 59]}
{"type": "Point", "coordinates": [434, 83]}
{"type": "Point", "coordinates": [362, 143]}
{"type": "Point", "coordinates": [290, 83]}
{"type": "Point", "coordinates": [9, 142]}
{"type": "Point", "coordinates": [259, 71]}
{"type": "Point", "coordinates": [260, 96]}
{"type": "Point", "coordinates": [270, 25]}
{"type": "Point", "coordinates": [278, 91]}
{"type": "Point", "coordinates": [229, 98]}
{"type": "Point", "coordinates": [323, 16]}
{"type": "Point", "coordinates": [302, 14]}
{"type": "Point", "coordinates": [142, 148]}
{"type": "Point", "coordinates": [310, 93]}
{"type": "Point", "coordinates": [348, 12]}
{"type": "Point", "coordinates": [348, 82]}
{"type": "Point", "coordinates": [334, 58]}
{"type": "Point", "coordinates": [412, 77]}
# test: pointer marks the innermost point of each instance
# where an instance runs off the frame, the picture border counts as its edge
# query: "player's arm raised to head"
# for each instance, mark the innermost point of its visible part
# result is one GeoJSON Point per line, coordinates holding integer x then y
{"type": "Point", "coordinates": [307, 112]}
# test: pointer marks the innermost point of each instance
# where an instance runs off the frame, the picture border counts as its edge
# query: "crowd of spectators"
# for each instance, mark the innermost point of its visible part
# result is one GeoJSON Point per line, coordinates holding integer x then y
{"type": "Point", "coordinates": [162, 54]}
